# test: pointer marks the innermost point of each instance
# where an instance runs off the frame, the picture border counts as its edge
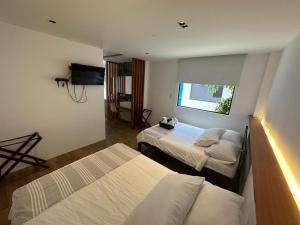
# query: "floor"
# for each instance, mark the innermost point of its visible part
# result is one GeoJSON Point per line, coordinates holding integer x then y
{"type": "Point", "coordinates": [116, 131]}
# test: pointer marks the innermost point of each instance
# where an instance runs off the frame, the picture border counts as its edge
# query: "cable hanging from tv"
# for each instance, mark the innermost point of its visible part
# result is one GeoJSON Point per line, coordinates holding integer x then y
{"type": "Point", "coordinates": [78, 99]}
{"type": "Point", "coordinates": [81, 75]}
{"type": "Point", "coordinates": [64, 82]}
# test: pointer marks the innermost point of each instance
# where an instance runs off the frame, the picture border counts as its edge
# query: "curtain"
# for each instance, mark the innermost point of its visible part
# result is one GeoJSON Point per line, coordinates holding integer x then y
{"type": "Point", "coordinates": [223, 70]}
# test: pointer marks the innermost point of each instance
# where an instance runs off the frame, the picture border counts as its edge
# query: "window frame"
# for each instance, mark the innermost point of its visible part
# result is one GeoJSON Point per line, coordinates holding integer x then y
{"type": "Point", "coordinates": [178, 93]}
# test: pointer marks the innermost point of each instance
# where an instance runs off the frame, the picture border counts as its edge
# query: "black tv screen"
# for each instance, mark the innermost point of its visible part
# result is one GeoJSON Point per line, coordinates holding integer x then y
{"type": "Point", "coordinates": [87, 75]}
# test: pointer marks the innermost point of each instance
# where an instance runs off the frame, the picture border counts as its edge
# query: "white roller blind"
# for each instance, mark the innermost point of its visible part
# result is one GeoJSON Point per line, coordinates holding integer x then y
{"type": "Point", "coordinates": [211, 70]}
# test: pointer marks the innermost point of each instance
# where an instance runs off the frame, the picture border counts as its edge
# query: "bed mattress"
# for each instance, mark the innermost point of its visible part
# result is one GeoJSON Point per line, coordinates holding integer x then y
{"type": "Point", "coordinates": [179, 143]}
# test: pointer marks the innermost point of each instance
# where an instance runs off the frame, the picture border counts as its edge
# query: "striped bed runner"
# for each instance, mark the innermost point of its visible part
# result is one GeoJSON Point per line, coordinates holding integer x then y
{"type": "Point", "coordinates": [35, 197]}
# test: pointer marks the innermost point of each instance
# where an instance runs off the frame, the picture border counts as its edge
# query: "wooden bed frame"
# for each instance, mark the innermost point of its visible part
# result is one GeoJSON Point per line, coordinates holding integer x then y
{"type": "Point", "coordinates": [234, 184]}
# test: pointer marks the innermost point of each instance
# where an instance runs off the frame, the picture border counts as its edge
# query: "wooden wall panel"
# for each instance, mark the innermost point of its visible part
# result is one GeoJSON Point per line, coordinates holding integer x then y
{"type": "Point", "coordinates": [111, 74]}
{"type": "Point", "coordinates": [138, 76]}
{"type": "Point", "coordinates": [114, 84]}
{"type": "Point", "coordinates": [274, 202]}
{"type": "Point", "coordinates": [121, 84]}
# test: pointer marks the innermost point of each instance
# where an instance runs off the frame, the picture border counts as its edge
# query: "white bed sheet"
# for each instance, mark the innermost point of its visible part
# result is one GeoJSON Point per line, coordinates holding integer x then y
{"type": "Point", "coordinates": [228, 170]}
{"type": "Point", "coordinates": [179, 143]}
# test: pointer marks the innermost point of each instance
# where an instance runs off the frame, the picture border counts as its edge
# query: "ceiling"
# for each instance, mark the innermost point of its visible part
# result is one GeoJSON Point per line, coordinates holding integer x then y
{"type": "Point", "coordinates": [134, 27]}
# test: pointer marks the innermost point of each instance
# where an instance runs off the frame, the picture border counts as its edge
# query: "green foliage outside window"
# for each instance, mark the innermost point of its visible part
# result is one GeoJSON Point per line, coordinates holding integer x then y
{"type": "Point", "coordinates": [224, 106]}
{"type": "Point", "coordinates": [213, 88]}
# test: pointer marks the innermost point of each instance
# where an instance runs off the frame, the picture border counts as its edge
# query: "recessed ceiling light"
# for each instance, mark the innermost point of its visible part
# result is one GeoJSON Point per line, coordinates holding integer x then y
{"type": "Point", "coordinates": [183, 24]}
{"type": "Point", "coordinates": [52, 21]}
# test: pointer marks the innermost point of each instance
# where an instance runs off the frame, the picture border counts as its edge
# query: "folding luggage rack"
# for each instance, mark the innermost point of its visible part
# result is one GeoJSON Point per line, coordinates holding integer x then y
{"type": "Point", "coordinates": [21, 154]}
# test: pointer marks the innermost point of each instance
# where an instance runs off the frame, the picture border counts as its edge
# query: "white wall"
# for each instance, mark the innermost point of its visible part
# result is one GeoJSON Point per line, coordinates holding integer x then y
{"type": "Point", "coordinates": [128, 84]}
{"type": "Point", "coordinates": [30, 99]}
{"type": "Point", "coordinates": [267, 82]}
{"type": "Point", "coordinates": [146, 84]}
{"type": "Point", "coordinates": [162, 84]}
{"type": "Point", "coordinates": [164, 87]}
{"type": "Point", "coordinates": [283, 107]}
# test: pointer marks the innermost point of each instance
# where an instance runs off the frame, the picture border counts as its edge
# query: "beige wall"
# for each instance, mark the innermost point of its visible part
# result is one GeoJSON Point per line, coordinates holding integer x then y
{"type": "Point", "coordinates": [283, 106]}
{"type": "Point", "coordinates": [30, 99]}
{"type": "Point", "coordinates": [164, 88]}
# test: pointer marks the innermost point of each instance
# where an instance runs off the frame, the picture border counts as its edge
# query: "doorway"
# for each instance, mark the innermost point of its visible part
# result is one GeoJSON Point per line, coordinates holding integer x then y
{"type": "Point", "coordinates": [124, 88]}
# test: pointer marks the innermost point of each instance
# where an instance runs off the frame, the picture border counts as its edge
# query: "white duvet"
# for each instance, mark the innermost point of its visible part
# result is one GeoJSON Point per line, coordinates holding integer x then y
{"type": "Point", "coordinates": [111, 199]}
{"type": "Point", "coordinates": [178, 143]}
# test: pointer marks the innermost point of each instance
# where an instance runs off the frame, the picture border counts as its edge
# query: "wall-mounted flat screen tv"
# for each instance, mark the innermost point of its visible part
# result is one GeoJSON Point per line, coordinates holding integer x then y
{"type": "Point", "coordinates": [87, 75]}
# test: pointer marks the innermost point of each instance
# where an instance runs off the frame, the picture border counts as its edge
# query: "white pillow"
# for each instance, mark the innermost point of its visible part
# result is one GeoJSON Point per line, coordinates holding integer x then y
{"type": "Point", "coordinates": [234, 137]}
{"type": "Point", "coordinates": [168, 203]}
{"type": "Point", "coordinates": [215, 206]}
{"type": "Point", "coordinates": [209, 137]}
{"type": "Point", "coordinates": [225, 151]}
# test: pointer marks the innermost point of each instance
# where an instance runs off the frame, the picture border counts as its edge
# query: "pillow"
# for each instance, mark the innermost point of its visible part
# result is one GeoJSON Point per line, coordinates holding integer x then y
{"type": "Point", "coordinates": [234, 137]}
{"type": "Point", "coordinates": [225, 151]}
{"type": "Point", "coordinates": [168, 203]}
{"type": "Point", "coordinates": [209, 137]}
{"type": "Point", "coordinates": [215, 206]}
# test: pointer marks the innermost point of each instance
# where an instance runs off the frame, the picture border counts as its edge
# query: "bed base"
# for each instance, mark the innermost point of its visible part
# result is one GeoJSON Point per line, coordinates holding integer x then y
{"type": "Point", "coordinates": [234, 184]}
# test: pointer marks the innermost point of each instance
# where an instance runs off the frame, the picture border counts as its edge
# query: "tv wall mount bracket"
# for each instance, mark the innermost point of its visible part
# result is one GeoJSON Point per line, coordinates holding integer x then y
{"type": "Point", "coordinates": [61, 81]}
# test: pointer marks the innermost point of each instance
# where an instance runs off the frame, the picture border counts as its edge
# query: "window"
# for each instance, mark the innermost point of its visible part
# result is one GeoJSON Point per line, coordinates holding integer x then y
{"type": "Point", "coordinates": [208, 97]}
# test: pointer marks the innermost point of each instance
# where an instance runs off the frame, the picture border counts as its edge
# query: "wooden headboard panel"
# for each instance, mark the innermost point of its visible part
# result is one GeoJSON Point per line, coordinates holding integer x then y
{"type": "Point", "coordinates": [273, 200]}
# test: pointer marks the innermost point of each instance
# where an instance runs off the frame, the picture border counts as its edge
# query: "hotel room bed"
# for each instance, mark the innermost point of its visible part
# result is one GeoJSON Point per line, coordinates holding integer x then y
{"type": "Point", "coordinates": [179, 143]}
{"type": "Point", "coordinates": [107, 187]}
